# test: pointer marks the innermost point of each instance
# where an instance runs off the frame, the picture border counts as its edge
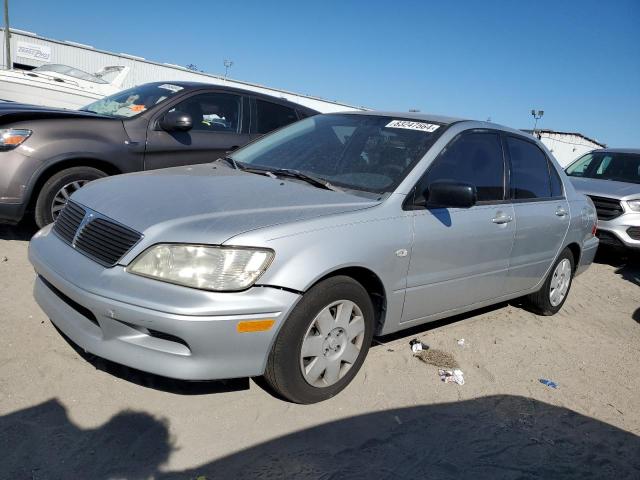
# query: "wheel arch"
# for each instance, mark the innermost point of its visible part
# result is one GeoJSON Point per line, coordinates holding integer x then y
{"type": "Point", "coordinates": [51, 169]}
{"type": "Point", "coordinates": [371, 283]}
{"type": "Point", "coordinates": [576, 251]}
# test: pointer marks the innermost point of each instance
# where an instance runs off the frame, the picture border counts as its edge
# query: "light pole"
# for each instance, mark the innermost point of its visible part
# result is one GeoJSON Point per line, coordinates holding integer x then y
{"type": "Point", "coordinates": [227, 65]}
{"type": "Point", "coordinates": [7, 36]}
{"type": "Point", "coordinates": [537, 115]}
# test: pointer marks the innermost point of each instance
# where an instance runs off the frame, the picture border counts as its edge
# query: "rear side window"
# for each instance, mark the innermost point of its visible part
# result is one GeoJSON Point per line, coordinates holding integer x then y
{"type": "Point", "coordinates": [556, 183]}
{"type": "Point", "coordinates": [473, 158]}
{"type": "Point", "coordinates": [529, 170]}
{"type": "Point", "coordinates": [272, 116]}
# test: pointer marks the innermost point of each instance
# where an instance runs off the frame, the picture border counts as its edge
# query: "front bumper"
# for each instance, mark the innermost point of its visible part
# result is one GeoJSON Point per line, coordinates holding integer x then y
{"type": "Point", "coordinates": [623, 231]}
{"type": "Point", "coordinates": [158, 333]}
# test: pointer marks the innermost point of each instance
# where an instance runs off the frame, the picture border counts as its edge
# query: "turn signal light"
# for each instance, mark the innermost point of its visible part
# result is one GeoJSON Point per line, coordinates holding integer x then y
{"type": "Point", "coordinates": [248, 326]}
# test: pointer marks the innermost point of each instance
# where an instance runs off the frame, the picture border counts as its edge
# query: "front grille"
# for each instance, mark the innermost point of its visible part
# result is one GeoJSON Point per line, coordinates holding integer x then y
{"type": "Point", "coordinates": [607, 208]}
{"type": "Point", "coordinates": [608, 238]}
{"type": "Point", "coordinates": [97, 237]}
{"type": "Point", "coordinates": [68, 221]}
{"type": "Point", "coordinates": [634, 232]}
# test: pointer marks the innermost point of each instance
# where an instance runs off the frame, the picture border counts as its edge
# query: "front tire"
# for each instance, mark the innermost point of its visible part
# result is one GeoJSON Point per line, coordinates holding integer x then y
{"type": "Point", "coordinates": [323, 343]}
{"type": "Point", "coordinates": [55, 192]}
{"type": "Point", "coordinates": [555, 289]}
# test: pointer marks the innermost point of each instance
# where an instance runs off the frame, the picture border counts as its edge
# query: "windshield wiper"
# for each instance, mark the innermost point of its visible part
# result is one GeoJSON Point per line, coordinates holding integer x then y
{"type": "Point", "coordinates": [315, 181]}
{"type": "Point", "coordinates": [231, 162]}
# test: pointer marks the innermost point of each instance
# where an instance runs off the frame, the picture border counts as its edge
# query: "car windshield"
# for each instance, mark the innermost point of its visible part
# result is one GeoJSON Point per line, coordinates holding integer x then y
{"type": "Point", "coordinates": [362, 152]}
{"type": "Point", "coordinates": [69, 71]}
{"type": "Point", "coordinates": [621, 167]}
{"type": "Point", "coordinates": [133, 101]}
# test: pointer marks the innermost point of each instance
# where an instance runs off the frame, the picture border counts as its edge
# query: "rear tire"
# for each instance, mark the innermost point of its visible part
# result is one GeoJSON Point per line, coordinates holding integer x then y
{"type": "Point", "coordinates": [555, 289]}
{"type": "Point", "coordinates": [52, 196]}
{"type": "Point", "coordinates": [335, 345]}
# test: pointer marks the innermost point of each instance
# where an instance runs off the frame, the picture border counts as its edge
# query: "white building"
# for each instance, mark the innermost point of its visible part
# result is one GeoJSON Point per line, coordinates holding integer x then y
{"type": "Point", "coordinates": [29, 50]}
{"type": "Point", "coordinates": [567, 146]}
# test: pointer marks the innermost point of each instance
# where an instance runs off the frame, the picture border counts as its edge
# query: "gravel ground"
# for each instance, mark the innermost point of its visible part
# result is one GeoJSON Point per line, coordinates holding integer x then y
{"type": "Point", "coordinates": [64, 414]}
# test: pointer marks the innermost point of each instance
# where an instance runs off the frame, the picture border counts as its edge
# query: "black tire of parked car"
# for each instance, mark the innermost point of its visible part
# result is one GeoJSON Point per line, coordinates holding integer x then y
{"type": "Point", "coordinates": [540, 301]}
{"type": "Point", "coordinates": [53, 185]}
{"type": "Point", "coordinates": [283, 373]}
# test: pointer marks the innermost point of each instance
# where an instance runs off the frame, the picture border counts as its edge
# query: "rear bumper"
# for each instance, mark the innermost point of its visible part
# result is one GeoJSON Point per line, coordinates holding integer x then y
{"type": "Point", "coordinates": [182, 346]}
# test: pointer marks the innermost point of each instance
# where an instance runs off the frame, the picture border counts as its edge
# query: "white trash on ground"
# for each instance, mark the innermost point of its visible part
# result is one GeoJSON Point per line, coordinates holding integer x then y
{"type": "Point", "coordinates": [452, 376]}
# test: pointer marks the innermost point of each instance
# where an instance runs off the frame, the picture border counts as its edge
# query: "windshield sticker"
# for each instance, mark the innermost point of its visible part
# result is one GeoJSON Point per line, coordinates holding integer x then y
{"type": "Point", "coordinates": [173, 88]}
{"type": "Point", "coordinates": [423, 127]}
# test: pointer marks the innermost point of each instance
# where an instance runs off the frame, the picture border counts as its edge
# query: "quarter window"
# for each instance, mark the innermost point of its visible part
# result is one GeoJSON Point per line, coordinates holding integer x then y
{"type": "Point", "coordinates": [272, 116]}
{"type": "Point", "coordinates": [473, 158]}
{"type": "Point", "coordinates": [529, 170]}
{"type": "Point", "coordinates": [212, 112]}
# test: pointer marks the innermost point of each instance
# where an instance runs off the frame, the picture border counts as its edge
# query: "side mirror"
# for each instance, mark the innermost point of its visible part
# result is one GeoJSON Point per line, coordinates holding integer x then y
{"type": "Point", "coordinates": [451, 194]}
{"type": "Point", "coordinates": [176, 121]}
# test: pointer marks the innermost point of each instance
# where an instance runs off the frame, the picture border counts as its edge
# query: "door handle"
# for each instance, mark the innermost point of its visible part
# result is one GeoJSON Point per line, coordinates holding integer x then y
{"type": "Point", "coordinates": [561, 212]}
{"type": "Point", "coordinates": [502, 219]}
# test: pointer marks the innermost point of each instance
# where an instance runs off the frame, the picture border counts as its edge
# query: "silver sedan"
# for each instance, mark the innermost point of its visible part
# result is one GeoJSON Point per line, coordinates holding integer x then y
{"type": "Point", "coordinates": [286, 258]}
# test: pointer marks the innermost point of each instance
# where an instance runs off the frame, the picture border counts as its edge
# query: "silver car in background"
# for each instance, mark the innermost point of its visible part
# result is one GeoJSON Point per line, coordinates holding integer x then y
{"type": "Point", "coordinates": [611, 178]}
{"type": "Point", "coordinates": [285, 259]}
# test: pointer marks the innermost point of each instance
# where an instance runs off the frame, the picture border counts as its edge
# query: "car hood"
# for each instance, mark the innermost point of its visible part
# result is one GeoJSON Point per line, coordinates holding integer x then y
{"type": "Point", "coordinates": [606, 188]}
{"type": "Point", "coordinates": [12, 112]}
{"type": "Point", "coordinates": [209, 203]}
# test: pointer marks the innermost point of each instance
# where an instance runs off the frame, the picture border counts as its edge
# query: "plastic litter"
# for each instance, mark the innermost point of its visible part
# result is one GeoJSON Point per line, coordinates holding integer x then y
{"type": "Point", "coordinates": [461, 342]}
{"type": "Point", "coordinates": [451, 376]}
{"type": "Point", "coordinates": [418, 346]}
{"type": "Point", "coordinates": [548, 383]}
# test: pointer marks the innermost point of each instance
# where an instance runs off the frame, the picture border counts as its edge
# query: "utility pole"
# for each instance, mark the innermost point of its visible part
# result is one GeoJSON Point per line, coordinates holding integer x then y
{"type": "Point", "coordinates": [7, 36]}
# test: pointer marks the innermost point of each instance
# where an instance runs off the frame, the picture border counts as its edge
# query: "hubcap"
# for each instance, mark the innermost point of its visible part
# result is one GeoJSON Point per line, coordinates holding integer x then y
{"type": "Point", "coordinates": [61, 198]}
{"type": "Point", "coordinates": [560, 282]}
{"type": "Point", "coordinates": [332, 343]}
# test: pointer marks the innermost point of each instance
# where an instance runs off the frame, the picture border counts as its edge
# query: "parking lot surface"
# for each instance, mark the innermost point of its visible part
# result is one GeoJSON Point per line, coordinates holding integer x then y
{"type": "Point", "coordinates": [67, 414]}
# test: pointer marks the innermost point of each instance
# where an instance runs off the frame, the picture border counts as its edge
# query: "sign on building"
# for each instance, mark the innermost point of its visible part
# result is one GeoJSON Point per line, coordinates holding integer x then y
{"type": "Point", "coordinates": [35, 52]}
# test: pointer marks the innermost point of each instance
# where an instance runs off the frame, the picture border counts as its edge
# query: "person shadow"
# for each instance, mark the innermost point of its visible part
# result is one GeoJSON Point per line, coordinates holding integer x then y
{"type": "Point", "coordinates": [500, 436]}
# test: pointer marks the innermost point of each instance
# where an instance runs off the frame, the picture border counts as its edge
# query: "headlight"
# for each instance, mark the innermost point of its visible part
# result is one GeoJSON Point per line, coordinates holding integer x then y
{"type": "Point", "coordinates": [204, 267]}
{"type": "Point", "coordinates": [634, 205]}
{"type": "Point", "coordinates": [10, 138]}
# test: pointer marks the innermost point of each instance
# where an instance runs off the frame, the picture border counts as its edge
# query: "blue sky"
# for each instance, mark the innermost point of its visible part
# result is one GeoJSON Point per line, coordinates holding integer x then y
{"type": "Point", "coordinates": [577, 60]}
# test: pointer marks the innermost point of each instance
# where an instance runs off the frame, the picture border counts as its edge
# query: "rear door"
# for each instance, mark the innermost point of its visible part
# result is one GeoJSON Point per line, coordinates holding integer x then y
{"type": "Point", "coordinates": [460, 256]}
{"type": "Point", "coordinates": [219, 125]}
{"type": "Point", "coordinates": [267, 116]}
{"type": "Point", "coordinates": [541, 213]}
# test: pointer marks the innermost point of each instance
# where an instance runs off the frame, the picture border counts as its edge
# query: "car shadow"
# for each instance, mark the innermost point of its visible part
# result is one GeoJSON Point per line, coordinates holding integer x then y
{"type": "Point", "coordinates": [499, 436]}
{"type": "Point", "coordinates": [626, 262]}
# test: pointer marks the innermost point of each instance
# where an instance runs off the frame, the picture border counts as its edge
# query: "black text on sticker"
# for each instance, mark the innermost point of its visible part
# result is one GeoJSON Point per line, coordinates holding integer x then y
{"type": "Point", "coordinates": [423, 127]}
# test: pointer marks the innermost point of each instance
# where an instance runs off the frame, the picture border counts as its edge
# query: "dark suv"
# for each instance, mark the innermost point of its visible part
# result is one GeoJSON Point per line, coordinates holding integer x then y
{"type": "Point", "coordinates": [47, 154]}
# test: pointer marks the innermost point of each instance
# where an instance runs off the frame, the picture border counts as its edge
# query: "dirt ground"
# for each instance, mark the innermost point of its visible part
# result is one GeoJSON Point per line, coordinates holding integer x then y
{"type": "Point", "coordinates": [67, 415]}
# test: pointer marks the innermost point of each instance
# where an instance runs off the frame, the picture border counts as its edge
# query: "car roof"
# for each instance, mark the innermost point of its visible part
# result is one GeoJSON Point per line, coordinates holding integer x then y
{"type": "Point", "coordinates": [422, 117]}
{"type": "Point", "coordinates": [204, 85]}
{"type": "Point", "coordinates": [617, 150]}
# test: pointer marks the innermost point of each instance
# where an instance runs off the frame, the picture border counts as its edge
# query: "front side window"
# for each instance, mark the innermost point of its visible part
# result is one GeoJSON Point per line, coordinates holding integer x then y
{"type": "Point", "coordinates": [272, 116]}
{"type": "Point", "coordinates": [362, 152]}
{"type": "Point", "coordinates": [133, 101]}
{"type": "Point", "coordinates": [473, 158]}
{"type": "Point", "coordinates": [212, 112]}
{"type": "Point", "coordinates": [529, 170]}
{"type": "Point", "coordinates": [621, 167]}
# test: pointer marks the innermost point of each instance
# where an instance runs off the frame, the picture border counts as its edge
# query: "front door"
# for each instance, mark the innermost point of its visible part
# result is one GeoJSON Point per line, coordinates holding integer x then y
{"type": "Point", "coordinates": [541, 211]}
{"type": "Point", "coordinates": [459, 256]}
{"type": "Point", "coordinates": [217, 128]}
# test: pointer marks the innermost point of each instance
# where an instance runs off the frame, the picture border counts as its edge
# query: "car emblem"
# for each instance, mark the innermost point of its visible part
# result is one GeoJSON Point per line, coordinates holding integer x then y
{"type": "Point", "coordinates": [402, 252]}
{"type": "Point", "coordinates": [88, 217]}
